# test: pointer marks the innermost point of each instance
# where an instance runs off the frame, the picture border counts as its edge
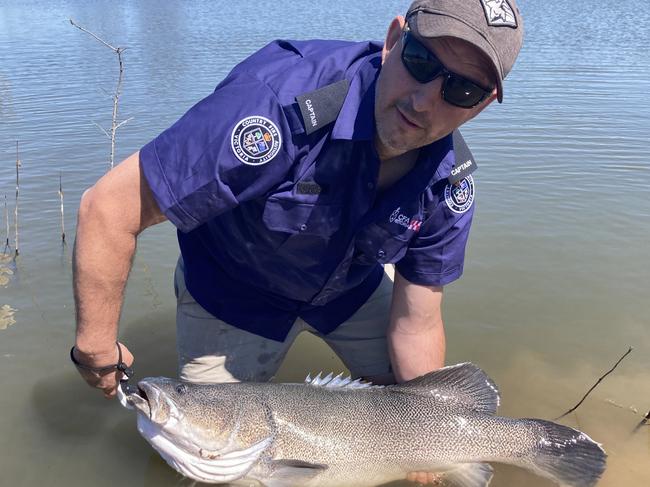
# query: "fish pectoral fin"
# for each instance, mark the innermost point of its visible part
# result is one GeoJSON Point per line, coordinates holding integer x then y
{"type": "Point", "coordinates": [292, 472]}
{"type": "Point", "coordinates": [468, 475]}
{"type": "Point", "coordinates": [298, 464]}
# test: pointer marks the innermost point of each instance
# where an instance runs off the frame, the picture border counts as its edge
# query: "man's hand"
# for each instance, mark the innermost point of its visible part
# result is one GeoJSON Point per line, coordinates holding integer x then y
{"type": "Point", "coordinates": [106, 381]}
{"type": "Point", "coordinates": [425, 478]}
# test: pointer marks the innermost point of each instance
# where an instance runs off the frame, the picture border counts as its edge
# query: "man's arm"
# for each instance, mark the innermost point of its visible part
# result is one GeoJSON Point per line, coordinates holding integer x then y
{"type": "Point", "coordinates": [111, 215]}
{"type": "Point", "coordinates": [416, 335]}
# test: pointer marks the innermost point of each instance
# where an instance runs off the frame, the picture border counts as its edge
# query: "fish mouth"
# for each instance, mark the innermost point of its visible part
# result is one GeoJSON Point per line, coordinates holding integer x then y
{"type": "Point", "coordinates": [144, 399]}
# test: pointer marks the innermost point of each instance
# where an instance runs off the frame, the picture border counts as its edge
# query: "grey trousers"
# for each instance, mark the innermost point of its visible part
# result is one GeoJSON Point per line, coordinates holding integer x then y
{"type": "Point", "coordinates": [211, 350]}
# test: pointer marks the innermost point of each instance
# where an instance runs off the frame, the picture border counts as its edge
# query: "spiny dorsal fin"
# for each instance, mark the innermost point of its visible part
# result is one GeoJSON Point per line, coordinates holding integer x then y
{"type": "Point", "coordinates": [465, 385]}
{"type": "Point", "coordinates": [340, 382]}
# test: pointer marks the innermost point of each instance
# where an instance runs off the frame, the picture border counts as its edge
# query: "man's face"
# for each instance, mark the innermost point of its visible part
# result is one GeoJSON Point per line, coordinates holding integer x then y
{"type": "Point", "coordinates": [410, 114]}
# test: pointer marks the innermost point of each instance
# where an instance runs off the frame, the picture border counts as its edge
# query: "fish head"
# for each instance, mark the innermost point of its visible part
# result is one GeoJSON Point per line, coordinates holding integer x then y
{"type": "Point", "coordinates": [188, 413]}
{"type": "Point", "coordinates": [158, 398]}
{"type": "Point", "coordinates": [203, 431]}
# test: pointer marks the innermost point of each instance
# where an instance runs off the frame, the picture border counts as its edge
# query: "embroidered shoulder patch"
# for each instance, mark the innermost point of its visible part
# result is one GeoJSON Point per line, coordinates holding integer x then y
{"type": "Point", "coordinates": [255, 140]}
{"type": "Point", "coordinates": [499, 13]}
{"type": "Point", "coordinates": [460, 196]}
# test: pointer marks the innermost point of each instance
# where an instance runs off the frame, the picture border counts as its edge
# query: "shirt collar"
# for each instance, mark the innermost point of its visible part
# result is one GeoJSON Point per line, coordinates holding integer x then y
{"type": "Point", "coordinates": [356, 120]}
{"type": "Point", "coordinates": [432, 162]}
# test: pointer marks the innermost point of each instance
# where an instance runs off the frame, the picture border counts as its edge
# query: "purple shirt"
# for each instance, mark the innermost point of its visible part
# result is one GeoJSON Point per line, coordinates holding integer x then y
{"type": "Point", "coordinates": [278, 221]}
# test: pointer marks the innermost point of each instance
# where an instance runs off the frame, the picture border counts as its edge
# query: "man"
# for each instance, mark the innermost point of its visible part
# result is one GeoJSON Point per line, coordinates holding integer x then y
{"type": "Point", "coordinates": [312, 165]}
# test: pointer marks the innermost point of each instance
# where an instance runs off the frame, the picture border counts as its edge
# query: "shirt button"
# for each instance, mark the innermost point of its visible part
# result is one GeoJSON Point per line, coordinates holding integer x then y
{"type": "Point", "coordinates": [303, 227]}
{"type": "Point", "coordinates": [381, 254]}
{"type": "Point", "coordinates": [371, 185]}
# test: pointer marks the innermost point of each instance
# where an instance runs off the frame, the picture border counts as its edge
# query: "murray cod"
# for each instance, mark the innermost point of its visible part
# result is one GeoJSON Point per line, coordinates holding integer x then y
{"type": "Point", "coordinates": [338, 432]}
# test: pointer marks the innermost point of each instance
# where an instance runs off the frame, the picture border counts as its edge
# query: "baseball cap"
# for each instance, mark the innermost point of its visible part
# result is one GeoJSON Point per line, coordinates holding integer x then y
{"type": "Point", "coordinates": [493, 26]}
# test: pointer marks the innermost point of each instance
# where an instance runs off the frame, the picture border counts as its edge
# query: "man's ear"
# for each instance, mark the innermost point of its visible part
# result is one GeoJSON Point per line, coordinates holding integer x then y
{"type": "Point", "coordinates": [392, 36]}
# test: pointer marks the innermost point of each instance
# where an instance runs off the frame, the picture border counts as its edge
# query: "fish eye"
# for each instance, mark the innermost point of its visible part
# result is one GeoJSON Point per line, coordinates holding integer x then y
{"type": "Point", "coordinates": [181, 389]}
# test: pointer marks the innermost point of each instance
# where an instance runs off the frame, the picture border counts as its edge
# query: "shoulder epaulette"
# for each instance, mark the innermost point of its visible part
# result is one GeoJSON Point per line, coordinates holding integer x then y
{"type": "Point", "coordinates": [465, 162]}
{"type": "Point", "coordinates": [321, 107]}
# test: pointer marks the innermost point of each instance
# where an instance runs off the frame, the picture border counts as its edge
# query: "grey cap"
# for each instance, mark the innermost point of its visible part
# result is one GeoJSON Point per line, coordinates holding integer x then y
{"type": "Point", "coordinates": [493, 26]}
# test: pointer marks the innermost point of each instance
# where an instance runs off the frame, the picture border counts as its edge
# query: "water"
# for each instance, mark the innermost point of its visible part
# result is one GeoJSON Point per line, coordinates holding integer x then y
{"type": "Point", "coordinates": [557, 278]}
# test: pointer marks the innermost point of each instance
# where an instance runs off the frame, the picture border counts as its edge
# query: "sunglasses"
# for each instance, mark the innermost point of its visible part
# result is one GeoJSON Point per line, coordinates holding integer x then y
{"type": "Point", "coordinates": [424, 66]}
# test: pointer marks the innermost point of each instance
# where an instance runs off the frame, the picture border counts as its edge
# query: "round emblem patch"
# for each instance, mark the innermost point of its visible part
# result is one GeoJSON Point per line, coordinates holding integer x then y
{"type": "Point", "coordinates": [255, 140]}
{"type": "Point", "coordinates": [460, 196]}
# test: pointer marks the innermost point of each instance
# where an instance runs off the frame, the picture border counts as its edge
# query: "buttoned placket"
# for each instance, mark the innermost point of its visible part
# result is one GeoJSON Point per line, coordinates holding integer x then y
{"type": "Point", "coordinates": [379, 208]}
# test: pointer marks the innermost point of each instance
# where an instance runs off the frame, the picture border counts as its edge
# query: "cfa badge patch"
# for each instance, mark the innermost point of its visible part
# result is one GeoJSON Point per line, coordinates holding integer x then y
{"type": "Point", "coordinates": [255, 140]}
{"type": "Point", "coordinates": [460, 196]}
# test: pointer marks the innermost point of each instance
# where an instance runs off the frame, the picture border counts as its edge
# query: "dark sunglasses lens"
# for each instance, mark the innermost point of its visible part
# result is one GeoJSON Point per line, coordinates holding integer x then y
{"type": "Point", "coordinates": [463, 93]}
{"type": "Point", "coordinates": [419, 61]}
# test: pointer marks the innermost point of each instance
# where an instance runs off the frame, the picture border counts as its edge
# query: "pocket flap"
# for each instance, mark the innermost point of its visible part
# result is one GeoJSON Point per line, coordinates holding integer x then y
{"type": "Point", "coordinates": [292, 217]}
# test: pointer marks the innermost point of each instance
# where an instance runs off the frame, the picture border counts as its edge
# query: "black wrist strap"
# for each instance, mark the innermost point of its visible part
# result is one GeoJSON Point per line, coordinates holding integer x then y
{"type": "Point", "coordinates": [120, 365]}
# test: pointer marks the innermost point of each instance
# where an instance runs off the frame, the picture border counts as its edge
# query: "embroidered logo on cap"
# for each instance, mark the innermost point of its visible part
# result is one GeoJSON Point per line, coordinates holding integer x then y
{"type": "Point", "coordinates": [255, 140]}
{"type": "Point", "coordinates": [460, 196]}
{"type": "Point", "coordinates": [499, 13]}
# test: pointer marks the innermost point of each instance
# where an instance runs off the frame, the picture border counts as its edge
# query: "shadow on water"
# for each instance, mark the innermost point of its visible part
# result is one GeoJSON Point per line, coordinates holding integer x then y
{"type": "Point", "coordinates": [68, 409]}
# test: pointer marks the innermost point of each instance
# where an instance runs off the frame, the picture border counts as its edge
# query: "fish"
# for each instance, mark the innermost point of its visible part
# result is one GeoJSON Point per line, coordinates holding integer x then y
{"type": "Point", "coordinates": [337, 432]}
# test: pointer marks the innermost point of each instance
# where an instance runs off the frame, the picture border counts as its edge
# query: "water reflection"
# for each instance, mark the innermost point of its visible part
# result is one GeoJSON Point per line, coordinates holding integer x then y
{"type": "Point", "coordinates": [6, 316]}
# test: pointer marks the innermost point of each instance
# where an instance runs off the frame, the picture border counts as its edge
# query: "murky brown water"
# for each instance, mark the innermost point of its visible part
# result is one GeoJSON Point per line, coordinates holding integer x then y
{"type": "Point", "coordinates": [557, 275]}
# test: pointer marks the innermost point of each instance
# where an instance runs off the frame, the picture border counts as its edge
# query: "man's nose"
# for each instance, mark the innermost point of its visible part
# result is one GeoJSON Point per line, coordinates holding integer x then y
{"type": "Point", "coordinates": [427, 95]}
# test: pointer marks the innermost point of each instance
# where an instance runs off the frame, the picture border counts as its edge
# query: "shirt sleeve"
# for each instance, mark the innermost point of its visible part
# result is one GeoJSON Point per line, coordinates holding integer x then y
{"type": "Point", "coordinates": [232, 146]}
{"type": "Point", "coordinates": [436, 256]}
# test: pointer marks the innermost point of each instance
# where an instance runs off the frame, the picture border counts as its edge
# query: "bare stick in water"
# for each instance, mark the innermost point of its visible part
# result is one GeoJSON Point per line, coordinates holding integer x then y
{"type": "Point", "coordinates": [645, 421]}
{"type": "Point", "coordinates": [62, 214]}
{"type": "Point", "coordinates": [6, 223]}
{"type": "Point", "coordinates": [115, 96]}
{"type": "Point", "coordinates": [595, 385]}
{"type": "Point", "coordinates": [17, 192]}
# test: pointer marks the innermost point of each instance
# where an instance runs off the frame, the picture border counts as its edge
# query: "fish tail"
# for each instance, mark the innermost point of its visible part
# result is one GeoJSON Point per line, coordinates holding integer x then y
{"type": "Point", "coordinates": [567, 456]}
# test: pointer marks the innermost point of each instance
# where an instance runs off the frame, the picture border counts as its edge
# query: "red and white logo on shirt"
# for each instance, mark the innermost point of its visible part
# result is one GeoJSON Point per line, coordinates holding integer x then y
{"type": "Point", "coordinates": [401, 219]}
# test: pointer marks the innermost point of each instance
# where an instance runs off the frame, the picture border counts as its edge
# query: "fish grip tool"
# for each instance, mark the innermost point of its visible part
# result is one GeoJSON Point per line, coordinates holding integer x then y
{"type": "Point", "coordinates": [125, 389]}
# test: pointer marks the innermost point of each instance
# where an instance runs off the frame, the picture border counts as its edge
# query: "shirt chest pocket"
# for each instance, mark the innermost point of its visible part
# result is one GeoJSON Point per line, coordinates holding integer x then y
{"type": "Point", "coordinates": [375, 244]}
{"type": "Point", "coordinates": [292, 217]}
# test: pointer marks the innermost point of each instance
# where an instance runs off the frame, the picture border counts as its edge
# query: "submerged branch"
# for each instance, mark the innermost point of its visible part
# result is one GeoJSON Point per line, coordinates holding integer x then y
{"type": "Point", "coordinates": [17, 193]}
{"type": "Point", "coordinates": [102, 129]}
{"type": "Point", "coordinates": [644, 422]}
{"type": "Point", "coordinates": [6, 224]}
{"type": "Point", "coordinates": [116, 99]}
{"type": "Point", "coordinates": [62, 213]}
{"type": "Point", "coordinates": [94, 35]}
{"type": "Point", "coordinates": [595, 385]}
{"type": "Point", "coordinates": [124, 122]}
{"type": "Point", "coordinates": [115, 124]}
